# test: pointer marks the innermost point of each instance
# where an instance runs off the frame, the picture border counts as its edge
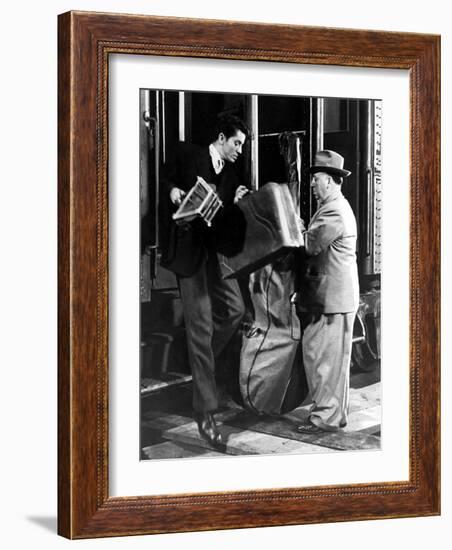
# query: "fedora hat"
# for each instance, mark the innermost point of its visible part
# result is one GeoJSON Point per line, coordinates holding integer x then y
{"type": "Point", "coordinates": [330, 163]}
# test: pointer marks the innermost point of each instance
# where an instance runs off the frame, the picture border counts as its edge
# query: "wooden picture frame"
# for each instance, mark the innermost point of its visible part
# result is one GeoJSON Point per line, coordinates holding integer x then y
{"type": "Point", "coordinates": [86, 40]}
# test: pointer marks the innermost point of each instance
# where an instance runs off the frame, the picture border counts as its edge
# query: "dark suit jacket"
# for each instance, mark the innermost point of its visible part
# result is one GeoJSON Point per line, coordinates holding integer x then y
{"type": "Point", "coordinates": [184, 246]}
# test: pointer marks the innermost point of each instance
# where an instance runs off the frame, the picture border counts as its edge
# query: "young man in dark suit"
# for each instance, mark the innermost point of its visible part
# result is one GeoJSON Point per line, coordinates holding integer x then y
{"type": "Point", "coordinates": [213, 307]}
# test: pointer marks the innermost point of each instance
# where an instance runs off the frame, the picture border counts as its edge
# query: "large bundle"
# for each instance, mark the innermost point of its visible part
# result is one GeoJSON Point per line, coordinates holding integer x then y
{"type": "Point", "coordinates": [269, 229]}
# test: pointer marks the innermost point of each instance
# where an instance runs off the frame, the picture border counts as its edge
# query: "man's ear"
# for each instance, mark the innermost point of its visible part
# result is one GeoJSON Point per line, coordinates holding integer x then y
{"type": "Point", "coordinates": [221, 137]}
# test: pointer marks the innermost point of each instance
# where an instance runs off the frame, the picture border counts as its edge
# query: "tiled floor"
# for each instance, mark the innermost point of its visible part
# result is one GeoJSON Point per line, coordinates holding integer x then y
{"type": "Point", "coordinates": [168, 431]}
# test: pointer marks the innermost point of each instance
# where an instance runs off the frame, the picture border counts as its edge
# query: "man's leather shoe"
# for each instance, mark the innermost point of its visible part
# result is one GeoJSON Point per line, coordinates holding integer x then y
{"type": "Point", "coordinates": [308, 427]}
{"type": "Point", "coordinates": [208, 430]}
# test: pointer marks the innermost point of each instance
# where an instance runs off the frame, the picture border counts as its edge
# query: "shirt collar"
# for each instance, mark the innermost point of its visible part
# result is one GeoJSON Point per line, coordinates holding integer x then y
{"type": "Point", "coordinates": [217, 161]}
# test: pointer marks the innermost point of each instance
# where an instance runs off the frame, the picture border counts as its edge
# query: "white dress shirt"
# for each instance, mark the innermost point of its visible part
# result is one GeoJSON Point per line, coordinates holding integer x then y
{"type": "Point", "coordinates": [217, 161]}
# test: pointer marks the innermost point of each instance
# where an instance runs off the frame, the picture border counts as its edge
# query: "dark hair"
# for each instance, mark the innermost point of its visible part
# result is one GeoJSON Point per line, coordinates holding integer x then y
{"type": "Point", "coordinates": [337, 179]}
{"type": "Point", "coordinates": [229, 125]}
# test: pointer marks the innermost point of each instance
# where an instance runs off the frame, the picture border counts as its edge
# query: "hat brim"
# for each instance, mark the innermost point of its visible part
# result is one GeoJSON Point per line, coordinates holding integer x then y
{"type": "Point", "coordinates": [330, 170]}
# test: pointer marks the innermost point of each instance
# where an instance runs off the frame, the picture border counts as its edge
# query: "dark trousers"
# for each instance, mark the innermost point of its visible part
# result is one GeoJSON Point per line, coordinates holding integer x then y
{"type": "Point", "coordinates": [213, 309]}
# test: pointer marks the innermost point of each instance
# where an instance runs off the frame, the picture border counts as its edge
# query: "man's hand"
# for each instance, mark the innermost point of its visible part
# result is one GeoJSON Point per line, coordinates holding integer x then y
{"type": "Point", "coordinates": [301, 224]}
{"type": "Point", "coordinates": [177, 195]}
{"type": "Point", "coordinates": [240, 192]}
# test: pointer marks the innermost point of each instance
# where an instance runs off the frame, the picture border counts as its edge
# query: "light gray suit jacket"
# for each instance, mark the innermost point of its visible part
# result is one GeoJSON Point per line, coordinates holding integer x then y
{"type": "Point", "coordinates": [331, 277]}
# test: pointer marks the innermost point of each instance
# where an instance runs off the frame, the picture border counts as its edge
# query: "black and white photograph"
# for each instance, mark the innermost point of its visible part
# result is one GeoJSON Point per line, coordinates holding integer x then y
{"type": "Point", "coordinates": [225, 227]}
{"type": "Point", "coordinates": [260, 274]}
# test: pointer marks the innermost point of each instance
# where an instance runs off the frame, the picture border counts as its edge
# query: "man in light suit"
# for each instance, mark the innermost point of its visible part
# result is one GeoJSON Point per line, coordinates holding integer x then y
{"type": "Point", "coordinates": [213, 307]}
{"type": "Point", "coordinates": [330, 296]}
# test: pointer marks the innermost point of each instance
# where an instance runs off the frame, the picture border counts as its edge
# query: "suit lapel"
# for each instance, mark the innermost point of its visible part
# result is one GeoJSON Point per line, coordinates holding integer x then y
{"type": "Point", "coordinates": [203, 163]}
{"type": "Point", "coordinates": [226, 182]}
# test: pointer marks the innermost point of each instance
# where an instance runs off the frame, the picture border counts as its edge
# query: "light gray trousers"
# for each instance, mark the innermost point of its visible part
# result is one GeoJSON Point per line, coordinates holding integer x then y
{"type": "Point", "coordinates": [327, 347]}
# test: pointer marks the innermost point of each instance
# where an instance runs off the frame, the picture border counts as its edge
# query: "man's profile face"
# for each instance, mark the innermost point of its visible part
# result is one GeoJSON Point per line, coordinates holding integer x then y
{"type": "Point", "coordinates": [321, 185]}
{"type": "Point", "coordinates": [231, 148]}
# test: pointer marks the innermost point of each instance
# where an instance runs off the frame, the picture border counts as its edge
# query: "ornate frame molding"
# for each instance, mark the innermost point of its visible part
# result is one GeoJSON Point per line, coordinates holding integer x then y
{"type": "Point", "coordinates": [85, 42]}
